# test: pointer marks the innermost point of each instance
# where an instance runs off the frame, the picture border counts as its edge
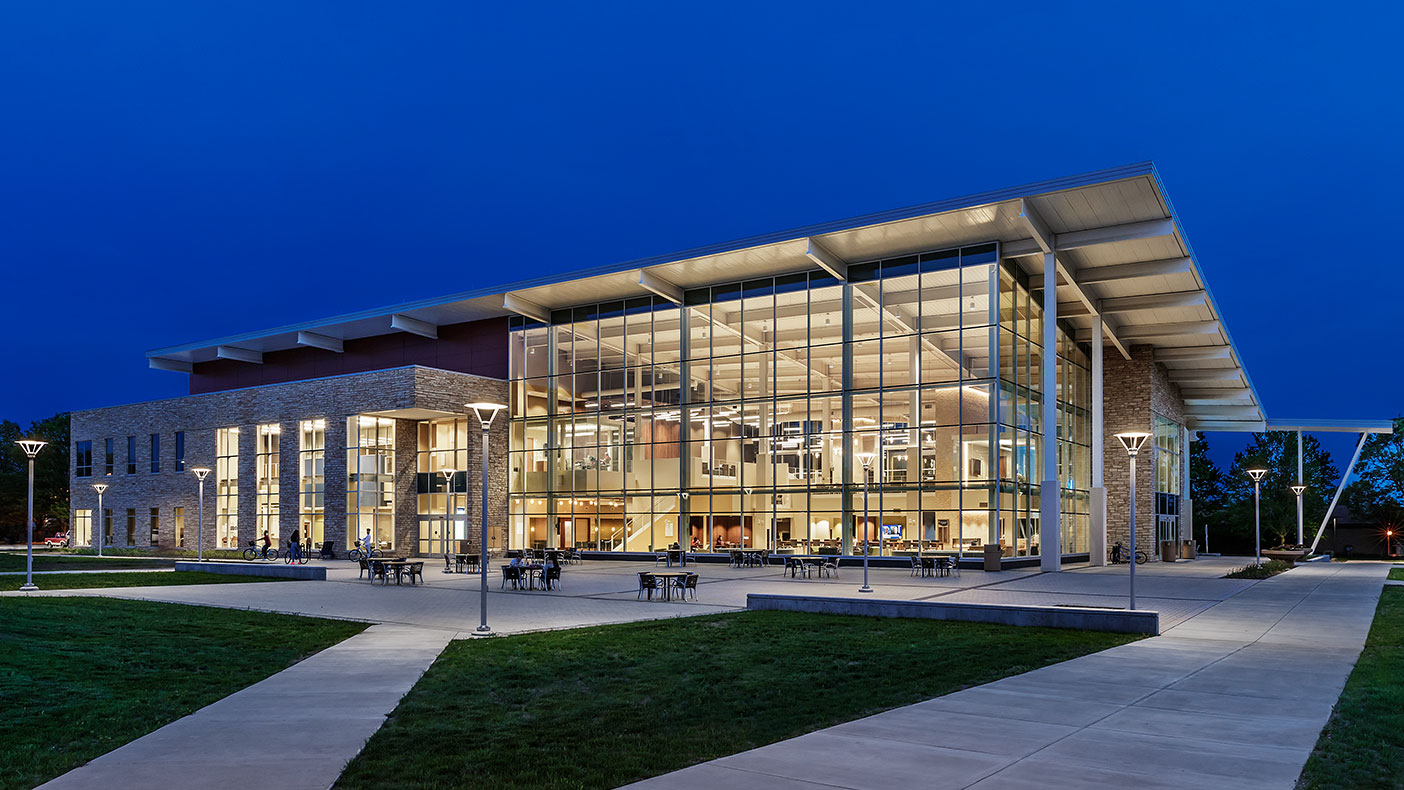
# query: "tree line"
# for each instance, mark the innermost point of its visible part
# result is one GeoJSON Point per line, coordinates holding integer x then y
{"type": "Point", "coordinates": [50, 478]}
{"type": "Point", "coordinates": [1223, 500]}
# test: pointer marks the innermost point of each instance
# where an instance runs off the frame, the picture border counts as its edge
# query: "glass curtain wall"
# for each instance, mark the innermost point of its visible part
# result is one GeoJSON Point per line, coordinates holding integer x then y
{"type": "Point", "coordinates": [370, 480]}
{"type": "Point", "coordinates": [312, 479]}
{"type": "Point", "coordinates": [442, 505]}
{"type": "Point", "coordinates": [227, 488]}
{"type": "Point", "coordinates": [266, 482]}
{"type": "Point", "coordinates": [641, 424]}
{"type": "Point", "coordinates": [1167, 478]}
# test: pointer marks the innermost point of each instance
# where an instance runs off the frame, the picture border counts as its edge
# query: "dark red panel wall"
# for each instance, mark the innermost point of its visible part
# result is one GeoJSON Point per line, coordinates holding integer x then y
{"type": "Point", "coordinates": [477, 347]}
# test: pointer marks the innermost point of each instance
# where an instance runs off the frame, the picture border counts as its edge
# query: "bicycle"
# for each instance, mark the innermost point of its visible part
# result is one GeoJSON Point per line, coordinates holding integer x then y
{"type": "Point", "coordinates": [1118, 555]}
{"type": "Point", "coordinates": [300, 559]}
{"type": "Point", "coordinates": [357, 554]}
{"type": "Point", "coordinates": [254, 552]}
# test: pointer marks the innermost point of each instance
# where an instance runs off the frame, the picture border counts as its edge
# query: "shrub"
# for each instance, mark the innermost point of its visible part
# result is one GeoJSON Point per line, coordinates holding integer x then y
{"type": "Point", "coordinates": [1259, 570]}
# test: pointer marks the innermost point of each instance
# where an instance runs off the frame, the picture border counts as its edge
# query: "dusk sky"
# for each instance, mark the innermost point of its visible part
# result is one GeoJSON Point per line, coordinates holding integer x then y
{"type": "Point", "coordinates": [182, 171]}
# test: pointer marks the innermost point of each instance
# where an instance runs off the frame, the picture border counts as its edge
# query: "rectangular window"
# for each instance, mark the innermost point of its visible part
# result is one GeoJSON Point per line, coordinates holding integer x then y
{"type": "Point", "coordinates": [109, 459]}
{"type": "Point", "coordinates": [82, 528]}
{"type": "Point", "coordinates": [83, 459]}
{"type": "Point", "coordinates": [180, 451]}
{"type": "Point", "coordinates": [266, 482]}
{"type": "Point", "coordinates": [131, 455]}
{"type": "Point", "coordinates": [227, 488]}
{"type": "Point", "coordinates": [107, 526]}
{"type": "Point", "coordinates": [179, 515]}
{"type": "Point", "coordinates": [155, 526]}
{"type": "Point", "coordinates": [312, 481]}
{"type": "Point", "coordinates": [370, 479]}
{"type": "Point", "coordinates": [131, 526]}
{"type": "Point", "coordinates": [155, 453]}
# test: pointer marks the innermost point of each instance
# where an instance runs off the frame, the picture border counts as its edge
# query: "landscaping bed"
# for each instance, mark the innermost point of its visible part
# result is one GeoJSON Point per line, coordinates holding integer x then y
{"type": "Point", "coordinates": [82, 676]}
{"type": "Point", "coordinates": [600, 707]}
{"type": "Point", "coordinates": [1259, 570]}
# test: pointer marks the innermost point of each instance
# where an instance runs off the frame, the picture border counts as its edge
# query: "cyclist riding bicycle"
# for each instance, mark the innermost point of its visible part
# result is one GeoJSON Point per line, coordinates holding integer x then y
{"type": "Point", "coordinates": [266, 544]}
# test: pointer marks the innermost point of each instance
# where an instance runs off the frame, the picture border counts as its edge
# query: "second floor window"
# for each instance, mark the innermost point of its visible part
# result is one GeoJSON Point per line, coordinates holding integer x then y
{"type": "Point", "coordinates": [108, 459]}
{"type": "Point", "coordinates": [180, 451]}
{"type": "Point", "coordinates": [131, 455]}
{"type": "Point", "coordinates": [83, 459]}
{"type": "Point", "coordinates": [155, 453]}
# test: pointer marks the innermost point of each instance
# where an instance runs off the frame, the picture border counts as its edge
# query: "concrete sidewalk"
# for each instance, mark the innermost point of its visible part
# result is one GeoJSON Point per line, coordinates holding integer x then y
{"type": "Point", "coordinates": [1235, 696]}
{"type": "Point", "coordinates": [296, 729]}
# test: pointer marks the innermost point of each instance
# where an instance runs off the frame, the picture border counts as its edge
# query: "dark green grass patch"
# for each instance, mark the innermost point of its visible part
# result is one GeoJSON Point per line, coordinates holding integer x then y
{"type": "Point", "coordinates": [600, 707]}
{"type": "Point", "coordinates": [1362, 747]}
{"type": "Point", "coordinates": [81, 676]}
{"type": "Point", "coordinates": [1396, 574]}
{"type": "Point", "coordinates": [88, 581]}
{"type": "Point", "coordinates": [44, 561]}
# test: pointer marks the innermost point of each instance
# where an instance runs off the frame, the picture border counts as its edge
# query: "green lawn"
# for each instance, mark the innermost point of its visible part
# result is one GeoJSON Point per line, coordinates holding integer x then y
{"type": "Point", "coordinates": [48, 561]}
{"type": "Point", "coordinates": [88, 581]}
{"type": "Point", "coordinates": [82, 676]}
{"type": "Point", "coordinates": [1362, 746]}
{"type": "Point", "coordinates": [600, 707]}
{"type": "Point", "coordinates": [1396, 574]}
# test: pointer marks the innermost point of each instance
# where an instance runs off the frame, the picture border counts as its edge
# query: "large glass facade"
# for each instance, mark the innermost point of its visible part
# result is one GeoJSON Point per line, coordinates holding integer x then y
{"type": "Point", "coordinates": [745, 416]}
{"type": "Point", "coordinates": [311, 479]}
{"type": "Point", "coordinates": [1167, 478]}
{"type": "Point", "coordinates": [440, 481]}
{"type": "Point", "coordinates": [370, 479]}
{"type": "Point", "coordinates": [266, 482]}
{"type": "Point", "coordinates": [227, 487]}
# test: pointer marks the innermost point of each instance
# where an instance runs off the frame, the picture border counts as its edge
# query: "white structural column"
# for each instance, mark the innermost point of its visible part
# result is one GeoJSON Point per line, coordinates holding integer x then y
{"type": "Point", "coordinates": [1097, 526]}
{"type": "Point", "coordinates": [1050, 538]}
{"type": "Point", "coordinates": [1186, 495]}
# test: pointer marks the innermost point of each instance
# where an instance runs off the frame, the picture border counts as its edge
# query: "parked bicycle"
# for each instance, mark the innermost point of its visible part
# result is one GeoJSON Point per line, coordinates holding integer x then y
{"type": "Point", "coordinates": [1119, 555]}
{"type": "Point", "coordinates": [256, 552]}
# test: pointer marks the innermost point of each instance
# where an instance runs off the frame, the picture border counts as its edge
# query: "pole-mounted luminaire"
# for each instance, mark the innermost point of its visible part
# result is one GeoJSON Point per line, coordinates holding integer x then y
{"type": "Point", "coordinates": [201, 472]}
{"type": "Point", "coordinates": [1257, 475]}
{"type": "Point", "coordinates": [31, 448]}
{"type": "Point", "coordinates": [866, 459]}
{"type": "Point", "coordinates": [1132, 441]}
{"type": "Point", "coordinates": [1298, 489]}
{"type": "Point", "coordinates": [101, 488]}
{"type": "Point", "coordinates": [448, 509]}
{"type": "Point", "coordinates": [486, 413]}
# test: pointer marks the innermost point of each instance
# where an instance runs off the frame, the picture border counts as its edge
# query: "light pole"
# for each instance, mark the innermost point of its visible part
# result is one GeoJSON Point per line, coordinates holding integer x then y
{"type": "Point", "coordinates": [1132, 441]}
{"type": "Point", "coordinates": [485, 412]}
{"type": "Point", "coordinates": [1257, 475]}
{"type": "Point", "coordinates": [100, 487]}
{"type": "Point", "coordinates": [866, 459]}
{"type": "Point", "coordinates": [448, 510]}
{"type": "Point", "coordinates": [201, 472]}
{"type": "Point", "coordinates": [1298, 489]}
{"type": "Point", "coordinates": [31, 448]}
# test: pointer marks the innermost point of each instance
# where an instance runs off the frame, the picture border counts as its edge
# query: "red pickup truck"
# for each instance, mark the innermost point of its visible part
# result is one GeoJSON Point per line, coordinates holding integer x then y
{"type": "Point", "coordinates": [58, 540]}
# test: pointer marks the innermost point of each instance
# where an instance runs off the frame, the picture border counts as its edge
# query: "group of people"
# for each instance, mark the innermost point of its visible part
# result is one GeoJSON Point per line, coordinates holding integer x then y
{"type": "Point", "coordinates": [294, 544]}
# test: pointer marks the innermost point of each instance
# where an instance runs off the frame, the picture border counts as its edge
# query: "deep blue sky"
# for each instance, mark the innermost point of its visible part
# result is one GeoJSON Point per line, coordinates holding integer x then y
{"type": "Point", "coordinates": [181, 171]}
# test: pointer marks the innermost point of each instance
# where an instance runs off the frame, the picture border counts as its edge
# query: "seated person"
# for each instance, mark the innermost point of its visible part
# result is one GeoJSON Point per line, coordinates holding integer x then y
{"type": "Point", "coordinates": [516, 562]}
{"type": "Point", "coordinates": [696, 544]}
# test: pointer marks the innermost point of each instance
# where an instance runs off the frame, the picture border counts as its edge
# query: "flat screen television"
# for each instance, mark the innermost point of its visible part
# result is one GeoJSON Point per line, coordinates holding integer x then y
{"type": "Point", "coordinates": [891, 531]}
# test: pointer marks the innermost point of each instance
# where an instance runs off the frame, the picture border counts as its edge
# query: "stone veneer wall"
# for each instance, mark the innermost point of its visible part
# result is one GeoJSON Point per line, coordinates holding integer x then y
{"type": "Point", "coordinates": [1133, 390]}
{"type": "Point", "coordinates": [334, 399]}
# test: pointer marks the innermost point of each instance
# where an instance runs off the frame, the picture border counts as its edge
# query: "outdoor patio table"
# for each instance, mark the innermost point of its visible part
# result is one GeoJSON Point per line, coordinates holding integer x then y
{"type": "Point", "coordinates": [677, 555]}
{"type": "Point", "coordinates": [667, 577]}
{"type": "Point", "coordinates": [465, 559]}
{"type": "Point", "coordinates": [397, 567]}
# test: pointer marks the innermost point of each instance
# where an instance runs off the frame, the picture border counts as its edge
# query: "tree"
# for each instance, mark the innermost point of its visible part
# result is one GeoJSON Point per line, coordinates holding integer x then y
{"type": "Point", "coordinates": [1276, 451]}
{"type": "Point", "coordinates": [50, 477]}
{"type": "Point", "coordinates": [1206, 485]}
{"type": "Point", "coordinates": [1378, 491]}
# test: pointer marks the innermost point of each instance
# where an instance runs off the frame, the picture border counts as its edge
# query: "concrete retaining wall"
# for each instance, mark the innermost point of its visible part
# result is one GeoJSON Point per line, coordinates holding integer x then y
{"type": "Point", "coordinates": [1115, 620]}
{"type": "Point", "coordinates": [272, 570]}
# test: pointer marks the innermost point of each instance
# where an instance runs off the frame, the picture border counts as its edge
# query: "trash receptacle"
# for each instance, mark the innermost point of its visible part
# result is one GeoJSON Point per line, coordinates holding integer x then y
{"type": "Point", "coordinates": [992, 557]}
{"type": "Point", "coordinates": [1188, 550]}
{"type": "Point", "coordinates": [1168, 551]}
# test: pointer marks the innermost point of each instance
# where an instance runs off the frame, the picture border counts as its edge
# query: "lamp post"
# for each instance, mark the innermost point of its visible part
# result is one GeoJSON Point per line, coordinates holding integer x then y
{"type": "Point", "coordinates": [448, 511]}
{"type": "Point", "coordinates": [485, 412]}
{"type": "Point", "coordinates": [1257, 475]}
{"type": "Point", "coordinates": [100, 487]}
{"type": "Point", "coordinates": [866, 459]}
{"type": "Point", "coordinates": [1298, 489]}
{"type": "Point", "coordinates": [201, 472]}
{"type": "Point", "coordinates": [31, 448]}
{"type": "Point", "coordinates": [1132, 441]}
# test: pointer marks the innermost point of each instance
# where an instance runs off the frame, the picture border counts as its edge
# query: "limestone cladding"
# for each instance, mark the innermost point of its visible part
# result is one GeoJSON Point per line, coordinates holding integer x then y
{"type": "Point", "coordinates": [416, 390]}
{"type": "Point", "coordinates": [1134, 390]}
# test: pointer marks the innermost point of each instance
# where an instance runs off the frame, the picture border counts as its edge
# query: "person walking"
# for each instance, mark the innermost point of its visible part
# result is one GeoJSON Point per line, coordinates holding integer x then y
{"type": "Point", "coordinates": [266, 544]}
{"type": "Point", "coordinates": [294, 546]}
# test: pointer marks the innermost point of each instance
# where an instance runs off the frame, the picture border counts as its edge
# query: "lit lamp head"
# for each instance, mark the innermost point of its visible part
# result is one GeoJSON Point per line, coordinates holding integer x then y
{"type": "Point", "coordinates": [99, 487]}
{"type": "Point", "coordinates": [448, 474]}
{"type": "Point", "coordinates": [201, 472]}
{"type": "Point", "coordinates": [1257, 474]}
{"type": "Point", "coordinates": [1298, 490]}
{"type": "Point", "coordinates": [486, 411]}
{"type": "Point", "coordinates": [1132, 441]}
{"type": "Point", "coordinates": [866, 459]}
{"type": "Point", "coordinates": [31, 447]}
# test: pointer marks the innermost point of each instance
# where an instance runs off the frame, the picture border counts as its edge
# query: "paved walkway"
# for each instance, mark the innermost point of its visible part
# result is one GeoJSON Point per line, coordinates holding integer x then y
{"type": "Point", "coordinates": [296, 729]}
{"type": "Point", "coordinates": [1234, 696]}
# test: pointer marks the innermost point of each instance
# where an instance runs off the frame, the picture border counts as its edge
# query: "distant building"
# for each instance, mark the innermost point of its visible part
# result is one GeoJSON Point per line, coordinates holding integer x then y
{"type": "Point", "coordinates": [1349, 535]}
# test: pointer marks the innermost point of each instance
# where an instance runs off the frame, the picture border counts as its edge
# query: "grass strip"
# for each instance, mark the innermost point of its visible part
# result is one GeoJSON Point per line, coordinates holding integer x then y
{"type": "Point", "coordinates": [10, 561]}
{"type": "Point", "coordinates": [82, 676]}
{"type": "Point", "coordinates": [600, 707]}
{"type": "Point", "coordinates": [89, 581]}
{"type": "Point", "coordinates": [1396, 574]}
{"type": "Point", "coordinates": [1362, 746]}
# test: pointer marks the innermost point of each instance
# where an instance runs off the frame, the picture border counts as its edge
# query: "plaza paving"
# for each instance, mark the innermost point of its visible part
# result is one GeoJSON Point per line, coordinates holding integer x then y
{"type": "Point", "coordinates": [1186, 709]}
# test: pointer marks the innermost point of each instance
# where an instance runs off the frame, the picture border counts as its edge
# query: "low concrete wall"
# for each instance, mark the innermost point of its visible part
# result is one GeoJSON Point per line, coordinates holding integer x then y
{"type": "Point", "coordinates": [272, 570]}
{"type": "Point", "coordinates": [1119, 621]}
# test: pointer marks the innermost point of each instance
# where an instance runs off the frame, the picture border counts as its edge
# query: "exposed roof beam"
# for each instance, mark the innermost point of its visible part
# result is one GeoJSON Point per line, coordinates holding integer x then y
{"type": "Point", "coordinates": [1202, 398]}
{"type": "Point", "coordinates": [1227, 413]}
{"type": "Point", "coordinates": [1193, 354]}
{"type": "Point", "coordinates": [239, 354]}
{"type": "Point", "coordinates": [1037, 227]}
{"type": "Point", "coordinates": [1170, 330]}
{"type": "Point", "coordinates": [660, 286]}
{"type": "Point", "coordinates": [414, 326]}
{"type": "Point", "coordinates": [1337, 426]}
{"type": "Point", "coordinates": [1230, 426]}
{"type": "Point", "coordinates": [1132, 271]}
{"type": "Point", "coordinates": [1127, 304]}
{"type": "Point", "coordinates": [314, 340]}
{"type": "Point", "coordinates": [1129, 232]}
{"type": "Point", "coordinates": [526, 307]}
{"type": "Point", "coordinates": [1109, 332]}
{"type": "Point", "coordinates": [825, 259]}
{"type": "Point", "coordinates": [1207, 378]}
{"type": "Point", "coordinates": [173, 365]}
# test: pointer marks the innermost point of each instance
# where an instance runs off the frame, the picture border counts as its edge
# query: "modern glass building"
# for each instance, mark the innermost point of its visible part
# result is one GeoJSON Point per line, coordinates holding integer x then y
{"type": "Point", "coordinates": [941, 379]}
